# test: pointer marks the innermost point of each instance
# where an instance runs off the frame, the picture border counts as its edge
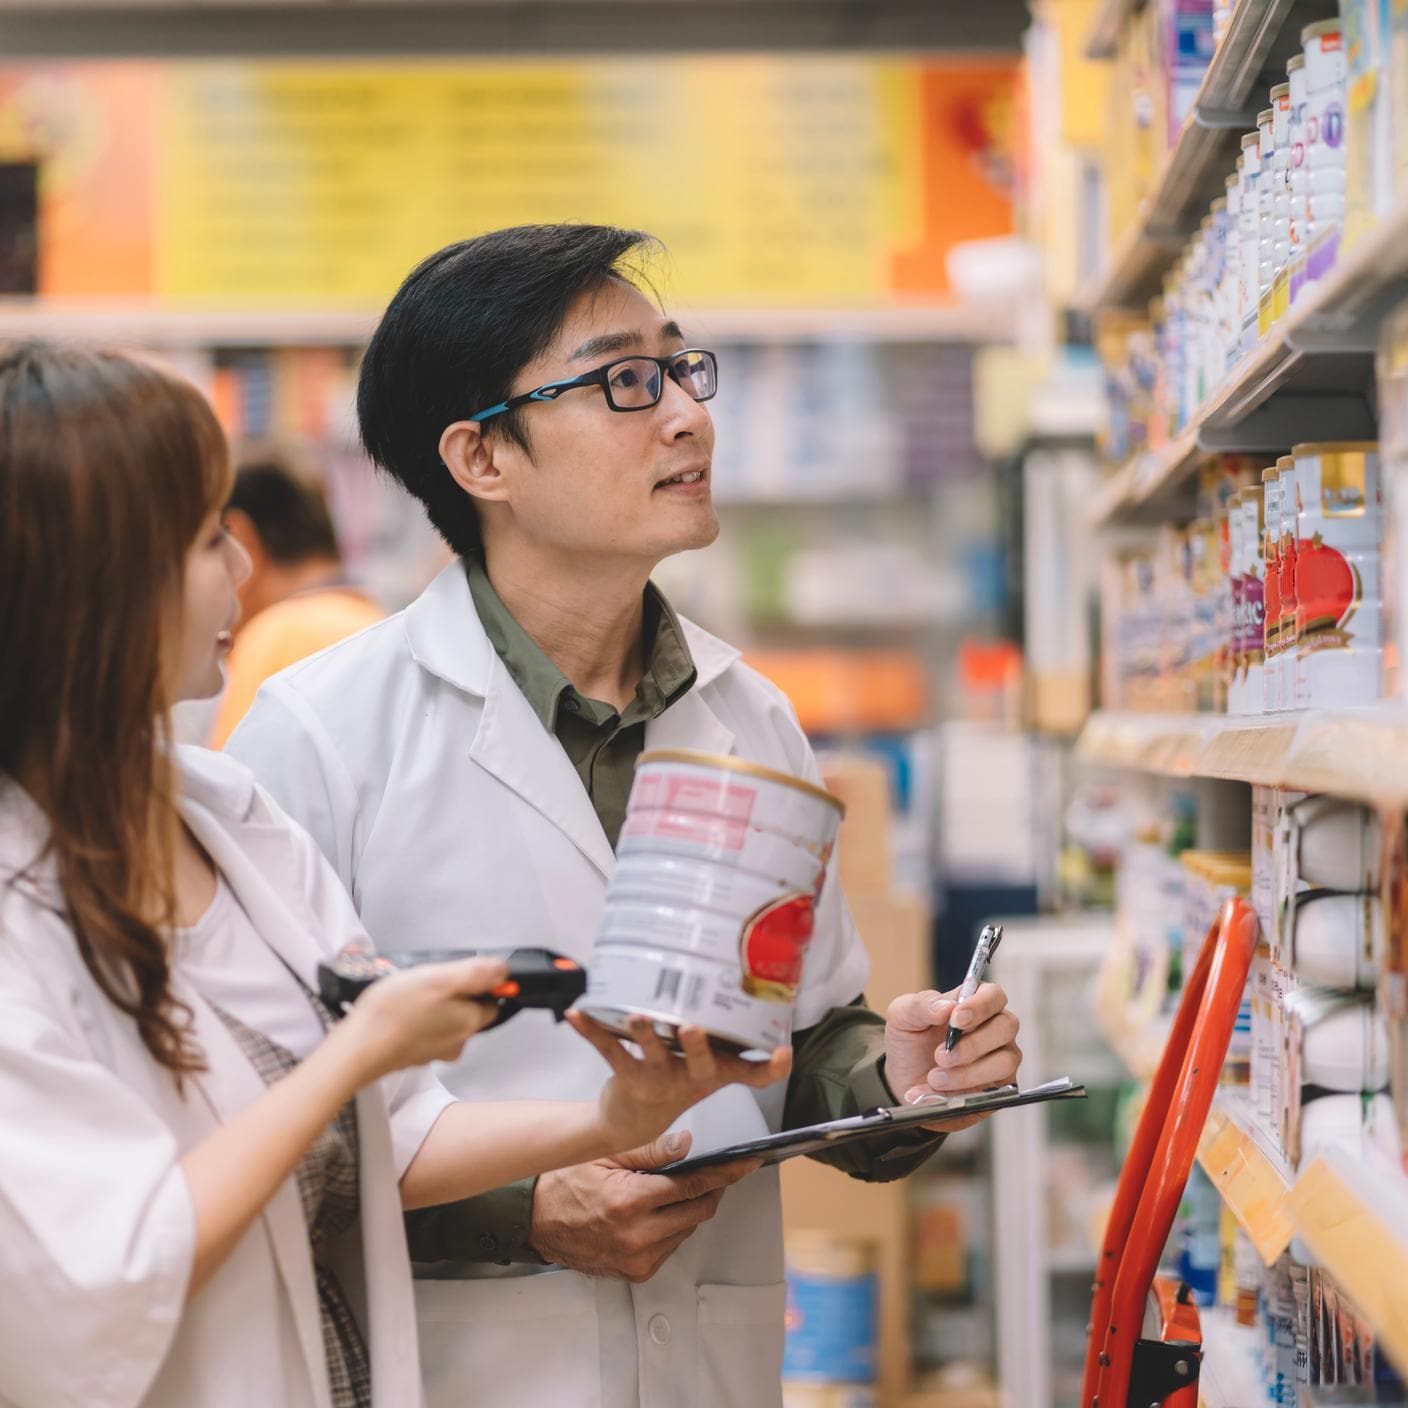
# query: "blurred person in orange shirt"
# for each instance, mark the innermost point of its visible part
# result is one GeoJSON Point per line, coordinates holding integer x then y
{"type": "Point", "coordinates": [297, 599]}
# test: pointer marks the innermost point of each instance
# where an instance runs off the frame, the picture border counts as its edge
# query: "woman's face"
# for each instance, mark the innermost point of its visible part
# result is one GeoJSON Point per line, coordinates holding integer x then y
{"type": "Point", "coordinates": [215, 567]}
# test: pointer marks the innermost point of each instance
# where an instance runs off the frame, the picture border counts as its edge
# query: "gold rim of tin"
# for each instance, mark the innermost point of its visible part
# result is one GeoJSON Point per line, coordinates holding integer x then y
{"type": "Point", "coordinates": [1285, 462]}
{"type": "Point", "coordinates": [1269, 474]}
{"type": "Point", "coordinates": [1281, 89]}
{"type": "Point", "coordinates": [1250, 140]}
{"type": "Point", "coordinates": [1295, 63]}
{"type": "Point", "coordinates": [1266, 115]}
{"type": "Point", "coordinates": [1336, 447]}
{"type": "Point", "coordinates": [1220, 203]}
{"type": "Point", "coordinates": [731, 764]}
{"type": "Point", "coordinates": [1319, 30]}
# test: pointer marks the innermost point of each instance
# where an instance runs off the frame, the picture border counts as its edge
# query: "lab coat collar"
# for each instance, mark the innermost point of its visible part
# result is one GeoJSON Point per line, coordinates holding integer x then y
{"type": "Point", "coordinates": [447, 639]}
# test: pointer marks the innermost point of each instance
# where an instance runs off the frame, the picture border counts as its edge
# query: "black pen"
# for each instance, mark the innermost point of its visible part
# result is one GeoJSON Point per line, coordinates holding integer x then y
{"type": "Point", "coordinates": [986, 946]}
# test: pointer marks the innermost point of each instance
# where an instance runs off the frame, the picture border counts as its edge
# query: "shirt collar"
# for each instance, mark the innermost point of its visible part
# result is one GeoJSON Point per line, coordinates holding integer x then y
{"type": "Point", "coordinates": [669, 667]}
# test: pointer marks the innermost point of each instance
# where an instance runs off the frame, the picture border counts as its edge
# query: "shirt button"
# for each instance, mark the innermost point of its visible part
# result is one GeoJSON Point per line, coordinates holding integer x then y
{"type": "Point", "coordinates": [659, 1329]}
{"type": "Point", "coordinates": [488, 1242]}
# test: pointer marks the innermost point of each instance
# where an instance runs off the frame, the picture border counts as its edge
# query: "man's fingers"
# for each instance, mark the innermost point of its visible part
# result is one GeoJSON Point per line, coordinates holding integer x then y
{"type": "Point", "coordinates": [698, 1056]}
{"type": "Point", "coordinates": [620, 1060]}
{"type": "Point", "coordinates": [680, 1219]}
{"type": "Point", "coordinates": [702, 1181]}
{"type": "Point", "coordinates": [994, 1034]}
{"type": "Point", "coordinates": [734, 1069]}
{"type": "Point", "coordinates": [998, 1068]}
{"type": "Point", "coordinates": [986, 1003]}
{"type": "Point", "coordinates": [918, 1011]}
{"type": "Point", "coordinates": [665, 1149]}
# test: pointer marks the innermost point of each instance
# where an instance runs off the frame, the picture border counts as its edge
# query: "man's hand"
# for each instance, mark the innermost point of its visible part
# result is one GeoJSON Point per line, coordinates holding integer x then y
{"type": "Point", "coordinates": [606, 1219]}
{"type": "Point", "coordinates": [916, 1026]}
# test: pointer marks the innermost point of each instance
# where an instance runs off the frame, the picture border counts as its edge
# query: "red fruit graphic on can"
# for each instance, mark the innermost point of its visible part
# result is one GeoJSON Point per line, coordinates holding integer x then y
{"type": "Point", "coordinates": [772, 946]}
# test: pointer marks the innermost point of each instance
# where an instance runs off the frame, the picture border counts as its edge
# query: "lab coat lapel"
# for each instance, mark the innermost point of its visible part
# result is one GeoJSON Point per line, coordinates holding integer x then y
{"type": "Point", "coordinates": [690, 723]}
{"type": "Point", "coordinates": [512, 744]}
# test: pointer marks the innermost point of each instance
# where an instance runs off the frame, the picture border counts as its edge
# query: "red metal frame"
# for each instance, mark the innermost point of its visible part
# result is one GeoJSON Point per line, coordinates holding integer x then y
{"type": "Point", "coordinates": [1160, 1158]}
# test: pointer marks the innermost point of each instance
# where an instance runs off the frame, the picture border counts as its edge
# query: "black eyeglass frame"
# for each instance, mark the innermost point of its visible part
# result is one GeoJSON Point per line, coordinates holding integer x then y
{"type": "Point", "coordinates": [601, 377]}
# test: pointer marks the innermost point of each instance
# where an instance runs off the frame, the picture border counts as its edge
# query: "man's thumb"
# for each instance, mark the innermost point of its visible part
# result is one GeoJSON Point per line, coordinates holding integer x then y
{"type": "Point", "coordinates": [664, 1150]}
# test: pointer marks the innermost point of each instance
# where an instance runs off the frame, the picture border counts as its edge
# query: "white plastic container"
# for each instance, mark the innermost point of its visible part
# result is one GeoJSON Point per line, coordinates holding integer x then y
{"type": "Point", "coordinates": [1336, 844]}
{"type": "Point", "coordinates": [1324, 145]}
{"type": "Point", "coordinates": [710, 908]}
{"type": "Point", "coordinates": [1347, 1050]}
{"type": "Point", "coordinates": [1339, 611]}
{"type": "Point", "coordinates": [1337, 941]}
{"type": "Point", "coordinates": [1248, 251]}
{"type": "Point", "coordinates": [1347, 1124]}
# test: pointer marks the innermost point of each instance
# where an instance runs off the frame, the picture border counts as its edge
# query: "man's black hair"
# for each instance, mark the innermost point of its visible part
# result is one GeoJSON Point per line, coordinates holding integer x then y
{"type": "Point", "coordinates": [458, 331]}
{"type": "Point", "coordinates": [288, 511]}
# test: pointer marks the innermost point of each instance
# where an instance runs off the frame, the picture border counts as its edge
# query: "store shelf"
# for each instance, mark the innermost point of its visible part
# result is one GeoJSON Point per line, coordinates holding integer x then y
{"type": "Point", "coordinates": [145, 325]}
{"type": "Point", "coordinates": [1353, 753]}
{"type": "Point", "coordinates": [1352, 1212]}
{"type": "Point", "coordinates": [1249, 1174]}
{"type": "Point", "coordinates": [1261, 35]}
{"type": "Point", "coordinates": [1309, 379]}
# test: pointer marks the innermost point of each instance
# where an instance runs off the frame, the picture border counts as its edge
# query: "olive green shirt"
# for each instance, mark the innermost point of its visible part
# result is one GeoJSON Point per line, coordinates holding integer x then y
{"type": "Point", "coordinates": [838, 1065]}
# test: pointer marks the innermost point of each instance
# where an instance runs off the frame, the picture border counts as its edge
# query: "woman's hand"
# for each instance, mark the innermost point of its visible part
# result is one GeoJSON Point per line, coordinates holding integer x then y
{"type": "Point", "coordinates": [646, 1094]}
{"type": "Point", "coordinates": [420, 1014]}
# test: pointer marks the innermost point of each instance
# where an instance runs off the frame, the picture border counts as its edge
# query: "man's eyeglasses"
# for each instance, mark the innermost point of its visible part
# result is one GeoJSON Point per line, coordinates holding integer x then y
{"type": "Point", "coordinates": [630, 383]}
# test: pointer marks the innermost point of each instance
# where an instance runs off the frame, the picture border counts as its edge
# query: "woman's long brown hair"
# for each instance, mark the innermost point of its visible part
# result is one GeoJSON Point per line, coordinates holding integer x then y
{"type": "Point", "coordinates": [108, 468]}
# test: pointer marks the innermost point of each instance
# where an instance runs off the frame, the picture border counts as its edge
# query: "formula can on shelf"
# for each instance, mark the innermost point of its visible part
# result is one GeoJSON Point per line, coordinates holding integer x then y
{"type": "Point", "coordinates": [1295, 176]}
{"type": "Point", "coordinates": [831, 1309]}
{"type": "Point", "coordinates": [710, 908]}
{"type": "Point", "coordinates": [1338, 610]}
{"type": "Point", "coordinates": [1271, 616]}
{"type": "Point", "coordinates": [1324, 145]}
{"type": "Point", "coordinates": [1287, 635]}
{"type": "Point", "coordinates": [1253, 601]}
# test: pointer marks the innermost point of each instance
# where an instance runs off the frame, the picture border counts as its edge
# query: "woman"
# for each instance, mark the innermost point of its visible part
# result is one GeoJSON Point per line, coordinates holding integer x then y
{"type": "Point", "coordinates": [202, 1177]}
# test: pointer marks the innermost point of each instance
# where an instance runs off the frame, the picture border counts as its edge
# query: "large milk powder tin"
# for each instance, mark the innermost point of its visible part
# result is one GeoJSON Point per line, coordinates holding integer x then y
{"type": "Point", "coordinates": [710, 908]}
{"type": "Point", "coordinates": [1338, 607]}
{"type": "Point", "coordinates": [1324, 144]}
{"type": "Point", "coordinates": [1271, 618]}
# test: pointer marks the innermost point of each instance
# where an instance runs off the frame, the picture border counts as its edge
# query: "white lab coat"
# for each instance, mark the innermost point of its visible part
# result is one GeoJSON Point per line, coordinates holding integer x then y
{"type": "Point", "coordinates": [97, 1227]}
{"type": "Point", "coordinates": [456, 820]}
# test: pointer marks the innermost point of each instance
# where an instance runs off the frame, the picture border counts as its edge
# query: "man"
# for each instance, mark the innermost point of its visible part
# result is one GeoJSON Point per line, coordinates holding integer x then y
{"type": "Point", "coordinates": [465, 766]}
{"type": "Point", "coordinates": [296, 599]}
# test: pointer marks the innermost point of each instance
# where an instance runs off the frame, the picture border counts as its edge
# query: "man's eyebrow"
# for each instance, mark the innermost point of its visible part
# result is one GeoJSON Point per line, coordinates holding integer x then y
{"type": "Point", "coordinates": [610, 342]}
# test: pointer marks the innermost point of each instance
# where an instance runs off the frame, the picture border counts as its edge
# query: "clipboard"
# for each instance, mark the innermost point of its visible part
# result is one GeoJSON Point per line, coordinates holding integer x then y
{"type": "Point", "coordinates": [877, 1124]}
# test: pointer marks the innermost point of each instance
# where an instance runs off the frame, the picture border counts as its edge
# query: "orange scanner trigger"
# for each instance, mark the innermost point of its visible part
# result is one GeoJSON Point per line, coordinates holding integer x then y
{"type": "Point", "coordinates": [508, 989]}
{"type": "Point", "coordinates": [566, 964]}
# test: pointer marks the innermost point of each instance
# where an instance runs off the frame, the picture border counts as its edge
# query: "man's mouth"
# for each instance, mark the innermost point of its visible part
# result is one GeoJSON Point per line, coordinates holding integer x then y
{"type": "Point", "coordinates": [690, 476]}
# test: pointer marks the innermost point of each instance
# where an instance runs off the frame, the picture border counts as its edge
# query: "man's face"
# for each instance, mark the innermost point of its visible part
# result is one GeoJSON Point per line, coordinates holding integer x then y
{"type": "Point", "coordinates": [597, 480]}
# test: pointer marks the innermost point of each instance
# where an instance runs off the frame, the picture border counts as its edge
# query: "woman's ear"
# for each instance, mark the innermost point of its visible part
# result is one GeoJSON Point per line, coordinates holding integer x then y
{"type": "Point", "coordinates": [471, 462]}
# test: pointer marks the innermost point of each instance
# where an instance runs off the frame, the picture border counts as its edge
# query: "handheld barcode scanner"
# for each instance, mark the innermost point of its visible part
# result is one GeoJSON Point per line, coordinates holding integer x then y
{"type": "Point", "coordinates": [537, 977]}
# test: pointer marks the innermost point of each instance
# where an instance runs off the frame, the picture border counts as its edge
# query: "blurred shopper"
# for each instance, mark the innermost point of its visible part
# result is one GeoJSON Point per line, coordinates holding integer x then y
{"type": "Point", "coordinates": [296, 599]}
{"type": "Point", "coordinates": [465, 766]}
{"type": "Point", "coordinates": [201, 1177]}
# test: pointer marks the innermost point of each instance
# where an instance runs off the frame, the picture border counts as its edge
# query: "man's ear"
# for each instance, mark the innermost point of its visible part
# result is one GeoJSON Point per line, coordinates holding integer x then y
{"type": "Point", "coordinates": [470, 459]}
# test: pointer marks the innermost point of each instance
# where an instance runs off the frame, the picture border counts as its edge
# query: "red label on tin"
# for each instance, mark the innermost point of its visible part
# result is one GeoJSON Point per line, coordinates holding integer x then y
{"type": "Point", "coordinates": [774, 943]}
{"type": "Point", "coordinates": [683, 808]}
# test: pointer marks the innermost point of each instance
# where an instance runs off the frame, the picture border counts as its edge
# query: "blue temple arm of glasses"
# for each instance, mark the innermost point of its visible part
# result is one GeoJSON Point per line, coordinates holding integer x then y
{"type": "Point", "coordinates": [541, 393]}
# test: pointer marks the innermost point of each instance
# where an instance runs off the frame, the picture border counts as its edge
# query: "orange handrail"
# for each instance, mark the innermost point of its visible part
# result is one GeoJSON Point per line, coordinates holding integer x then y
{"type": "Point", "coordinates": [1161, 1154]}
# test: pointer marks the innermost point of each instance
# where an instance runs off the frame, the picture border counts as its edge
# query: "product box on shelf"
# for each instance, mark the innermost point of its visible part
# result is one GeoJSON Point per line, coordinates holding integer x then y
{"type": "Point", "coordinates": [1324, 145]}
